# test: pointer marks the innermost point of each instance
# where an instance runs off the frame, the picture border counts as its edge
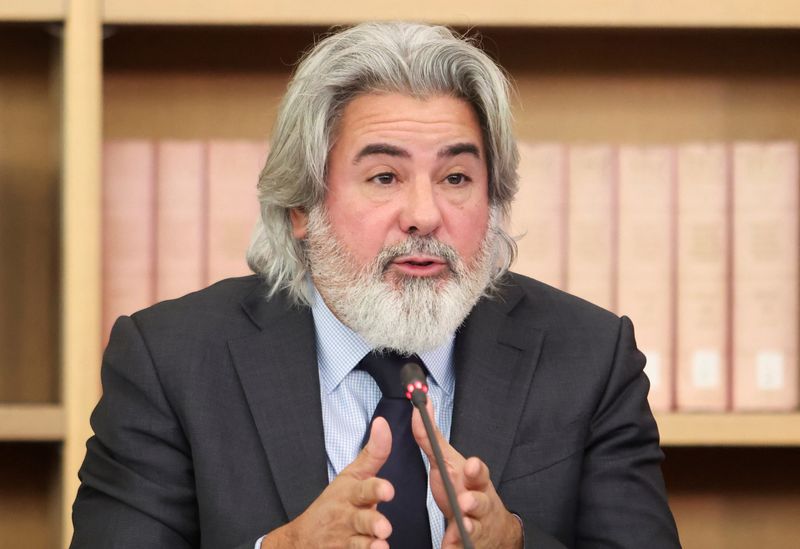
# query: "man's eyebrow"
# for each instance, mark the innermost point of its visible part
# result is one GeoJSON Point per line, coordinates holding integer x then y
{"type": "Point", "coordinates": [380, 148]}
{"type": "Point", "coordinates": [459, 148]}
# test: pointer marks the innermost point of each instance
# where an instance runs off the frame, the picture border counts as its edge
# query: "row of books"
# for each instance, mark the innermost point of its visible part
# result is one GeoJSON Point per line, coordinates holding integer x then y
{"type": "Point", "coordinates": [697, 243]}
{"type": "Point", "coordinates": [177, 216]}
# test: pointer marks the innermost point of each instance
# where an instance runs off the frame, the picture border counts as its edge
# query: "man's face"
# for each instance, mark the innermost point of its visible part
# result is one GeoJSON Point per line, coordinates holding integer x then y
{"type": "Point", "coordinates": [403, 166]}
{"type": "Point", "coordinates": [401, 248]}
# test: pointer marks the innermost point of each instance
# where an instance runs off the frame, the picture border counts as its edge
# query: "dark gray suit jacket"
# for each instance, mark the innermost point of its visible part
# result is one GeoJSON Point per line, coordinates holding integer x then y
{"type": "Point", "coordinates": [209, 432]}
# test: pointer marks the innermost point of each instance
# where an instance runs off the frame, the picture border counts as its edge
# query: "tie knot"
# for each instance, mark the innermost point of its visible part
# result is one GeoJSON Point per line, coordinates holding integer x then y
{"type": "Point", "coordinates": [385, 369]}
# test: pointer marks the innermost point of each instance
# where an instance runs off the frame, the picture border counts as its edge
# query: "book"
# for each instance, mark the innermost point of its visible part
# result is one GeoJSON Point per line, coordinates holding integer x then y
{"type": "Point", "coordinates": [180, 218]}
{"type": "Point", "coordinates": [538, 213]}
{"type": "Point", "coordinates": [646, 268]}
{"type": "Point", "coordinates": [765, 274]}
{"type": "Point", "coordinates": [591, 225]}
{"type": "Point", "coordinates": [703, 288]}
{"type": "Point", "coordinates": [233, 170]}
{"type": "Point", "coordinates": [128, 239]}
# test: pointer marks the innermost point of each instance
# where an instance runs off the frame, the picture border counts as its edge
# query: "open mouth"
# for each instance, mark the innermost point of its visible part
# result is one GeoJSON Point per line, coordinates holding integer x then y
{"type": "Point", "coordinates": [419, 260]}
{"type": "Point", "coordinates": [420, 265]}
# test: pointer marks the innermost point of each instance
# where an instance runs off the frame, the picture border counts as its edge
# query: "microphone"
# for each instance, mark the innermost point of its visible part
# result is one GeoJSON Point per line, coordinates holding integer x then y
{"type": "Point", "coordinates": [416, 386]}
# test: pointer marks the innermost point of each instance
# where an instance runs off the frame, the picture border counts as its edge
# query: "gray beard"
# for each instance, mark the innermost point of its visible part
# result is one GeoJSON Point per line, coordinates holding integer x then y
{"type": "Point", "coordinates": [391, 311]}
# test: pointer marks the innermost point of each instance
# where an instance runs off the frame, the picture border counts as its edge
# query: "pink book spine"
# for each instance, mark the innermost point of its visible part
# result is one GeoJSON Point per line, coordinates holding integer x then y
{"type": "Point", "coordinates": [233, 170]}
{"type": "Point", "coordinates": [765, 276]}
{"type": "Point", "coordinates": [703, 357]}
{"type": "Point", "coordinates": [538, 213]}
{"type": "Point", "coordinates": [180, 218]}
{"type": "Point", "coordinates": [591, 223]}
{"type": "Point", "coordinates": [128, 229]}
{"type": "Point", "coordinates": [645, 273]}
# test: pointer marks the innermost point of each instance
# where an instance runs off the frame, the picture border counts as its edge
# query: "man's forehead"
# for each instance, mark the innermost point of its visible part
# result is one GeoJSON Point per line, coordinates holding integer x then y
{"type": "Point", "coordinates": [381, 122]}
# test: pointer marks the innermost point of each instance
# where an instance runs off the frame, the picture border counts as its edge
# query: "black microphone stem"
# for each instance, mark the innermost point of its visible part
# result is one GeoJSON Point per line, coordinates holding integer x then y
{"type": "Point", "coordinates": [419, 398]}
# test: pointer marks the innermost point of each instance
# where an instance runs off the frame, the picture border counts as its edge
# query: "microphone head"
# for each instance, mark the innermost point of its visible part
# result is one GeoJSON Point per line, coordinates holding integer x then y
{"type": "Point", "coordinates": [414, 381]}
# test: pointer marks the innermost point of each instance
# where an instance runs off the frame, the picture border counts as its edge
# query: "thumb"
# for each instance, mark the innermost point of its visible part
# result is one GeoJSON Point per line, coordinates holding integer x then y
{"type": "Point", "coordinates": [375, 453]}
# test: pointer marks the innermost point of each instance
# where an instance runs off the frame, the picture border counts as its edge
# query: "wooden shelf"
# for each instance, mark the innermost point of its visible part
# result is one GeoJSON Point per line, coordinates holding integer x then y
{"type": "Point", "coordinates": [732, 429]}
{"type": "Point", "coordinates": [80, 239]}
{"type": "Point", "coordinates": [31, 422]}
{"type": "Point", "coordinates": [515, 13]}
{"type": "Point", "coordinates": [45, 422]}
{"type": "Point", "coordinates": [32, 10]}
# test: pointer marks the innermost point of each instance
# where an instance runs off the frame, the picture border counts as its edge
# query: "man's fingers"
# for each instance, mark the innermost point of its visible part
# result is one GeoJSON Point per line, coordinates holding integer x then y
{"type": "Point", "coordinates": [375, 453]}
{"type": "Point", "coordinates": [366, 542]}
{"type": "Point", "coordinates": [476, 475]}
{"type": "Point", "coordinates": [474, 504]}
{"type": "Point", "coordinates": [421, 436]}
{"type": "Point", "coordinates": [371, 523]}
{"type": "Point", "coordinates": [418, 429]}
{"type": "Point", "coordinates": [371, 491]}
{"type": "Point", "coordinates": [452, 536]}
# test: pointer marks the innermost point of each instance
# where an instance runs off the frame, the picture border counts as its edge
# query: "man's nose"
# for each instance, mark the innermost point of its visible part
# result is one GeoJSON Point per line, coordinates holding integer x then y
{"type": "Point", "coordinates": [421, 214]}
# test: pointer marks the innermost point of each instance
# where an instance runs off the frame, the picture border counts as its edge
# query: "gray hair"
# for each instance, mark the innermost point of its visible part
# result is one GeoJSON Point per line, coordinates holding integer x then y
{"type": "Point", "coordinates": [415, 59]}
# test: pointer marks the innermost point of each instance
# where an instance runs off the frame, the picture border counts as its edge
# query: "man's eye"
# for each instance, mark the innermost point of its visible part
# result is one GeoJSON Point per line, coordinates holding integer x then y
{"type": "Point", "coordinates": [456, 179]}
{"type": "Point", "coordinates": [384, 178]}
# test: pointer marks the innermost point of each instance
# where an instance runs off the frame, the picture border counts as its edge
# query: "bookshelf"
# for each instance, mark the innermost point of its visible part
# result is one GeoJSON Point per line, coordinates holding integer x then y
{"type": "Point", "coordinates": [29, 215]}
{"type": "Point", "coordinates": [32, 10]}
{"type": "Point", "coordinates": [31, 415]}
{"type": "Point", "coordinates": [670, 72]}
{"type": "Point", "coordinates": [680, 430]}
{"type": "Point", "coordinates": [80, 241]}
{"type": "Point", "coordinates": [31, 422]}
{"type": "Point", "coordinates": [537, 13]}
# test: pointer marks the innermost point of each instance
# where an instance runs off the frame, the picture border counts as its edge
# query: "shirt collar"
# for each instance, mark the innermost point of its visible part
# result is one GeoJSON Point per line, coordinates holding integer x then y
{"type": "Point", "coordinates": [340, 349]}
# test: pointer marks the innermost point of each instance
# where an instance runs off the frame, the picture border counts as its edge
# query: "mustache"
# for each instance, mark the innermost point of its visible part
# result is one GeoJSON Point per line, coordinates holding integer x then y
{"type": "Point", "coordinates": [421, 245]}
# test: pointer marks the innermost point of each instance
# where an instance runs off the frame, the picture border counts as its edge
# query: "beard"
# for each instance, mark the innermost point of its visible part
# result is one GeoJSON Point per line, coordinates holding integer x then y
{"type": "Point", "coordinates": [390, 310]}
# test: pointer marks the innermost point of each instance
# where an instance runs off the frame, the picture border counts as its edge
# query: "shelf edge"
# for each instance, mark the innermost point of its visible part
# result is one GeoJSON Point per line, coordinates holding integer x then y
{"type": "Point", "coordinates": [540, 13]}
{"type": "Point", "coordinates": [729, 429]}
{"type": "Point", "coordinates": [32, 11]}
{"type": "Point", "coordinates": [31, 422]}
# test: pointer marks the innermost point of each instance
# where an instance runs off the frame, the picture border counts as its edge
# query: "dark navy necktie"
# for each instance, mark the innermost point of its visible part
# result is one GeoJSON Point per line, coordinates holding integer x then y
{"type": "Point", "coordinates": [408, 511]}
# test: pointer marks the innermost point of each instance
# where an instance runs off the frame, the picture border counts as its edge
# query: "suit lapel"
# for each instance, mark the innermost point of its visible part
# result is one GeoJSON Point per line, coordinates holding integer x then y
{"type": "Point", "coordinates": [495, 357]}
{"type": "Point", "coordinates": [278, 371]}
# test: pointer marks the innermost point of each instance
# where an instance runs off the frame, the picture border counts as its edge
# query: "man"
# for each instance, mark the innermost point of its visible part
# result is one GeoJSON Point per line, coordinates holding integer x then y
{"type": "Point", "coordinates": [235, 417]}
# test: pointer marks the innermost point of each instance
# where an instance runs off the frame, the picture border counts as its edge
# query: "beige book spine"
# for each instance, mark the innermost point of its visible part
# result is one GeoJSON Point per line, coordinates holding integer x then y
{"type": "Point", "coordinates": [180, 218]}
{"type": "Point", "coordinates": [646, 274]}
{"type": "Point", "coordinates": [591, 223]}
{"type": "Point", "coordinates": [703, 358]}
{"type": "Point", "coordinates": [128, 229]}
{"type": "Point", "coordinates": [538, 213]}
{"type": "Point", "coordinates": [233, 170]}
{"type": "Point", "coordinates": [765, 276]}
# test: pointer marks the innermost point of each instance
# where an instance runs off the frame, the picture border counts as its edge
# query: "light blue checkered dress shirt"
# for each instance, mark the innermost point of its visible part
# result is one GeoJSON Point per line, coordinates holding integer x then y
{"type": "Point", "coordinates": [349, 397]}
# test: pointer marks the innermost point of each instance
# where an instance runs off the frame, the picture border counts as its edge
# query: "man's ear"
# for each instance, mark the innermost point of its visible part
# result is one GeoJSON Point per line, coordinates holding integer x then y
{"type": "Point", "coordinates": [299, 218]}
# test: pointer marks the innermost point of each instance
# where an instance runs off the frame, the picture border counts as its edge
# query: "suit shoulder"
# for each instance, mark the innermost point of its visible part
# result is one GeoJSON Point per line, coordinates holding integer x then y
{"type": "Point", "coordinates": [556, 304]}
{"type": "Point", "coordinates": [216, 309]}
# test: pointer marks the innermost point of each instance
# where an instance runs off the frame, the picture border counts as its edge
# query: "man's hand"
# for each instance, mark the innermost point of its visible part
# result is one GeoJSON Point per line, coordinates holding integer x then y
{"type": "Point", "coordinates": [488, 522]}
{"type": "Point", "coordinates": [345, 514]}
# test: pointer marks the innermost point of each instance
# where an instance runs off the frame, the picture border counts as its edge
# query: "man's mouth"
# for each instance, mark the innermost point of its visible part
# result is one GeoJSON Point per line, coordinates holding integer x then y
{"type": "Point", "coordinates": [419, 265]}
